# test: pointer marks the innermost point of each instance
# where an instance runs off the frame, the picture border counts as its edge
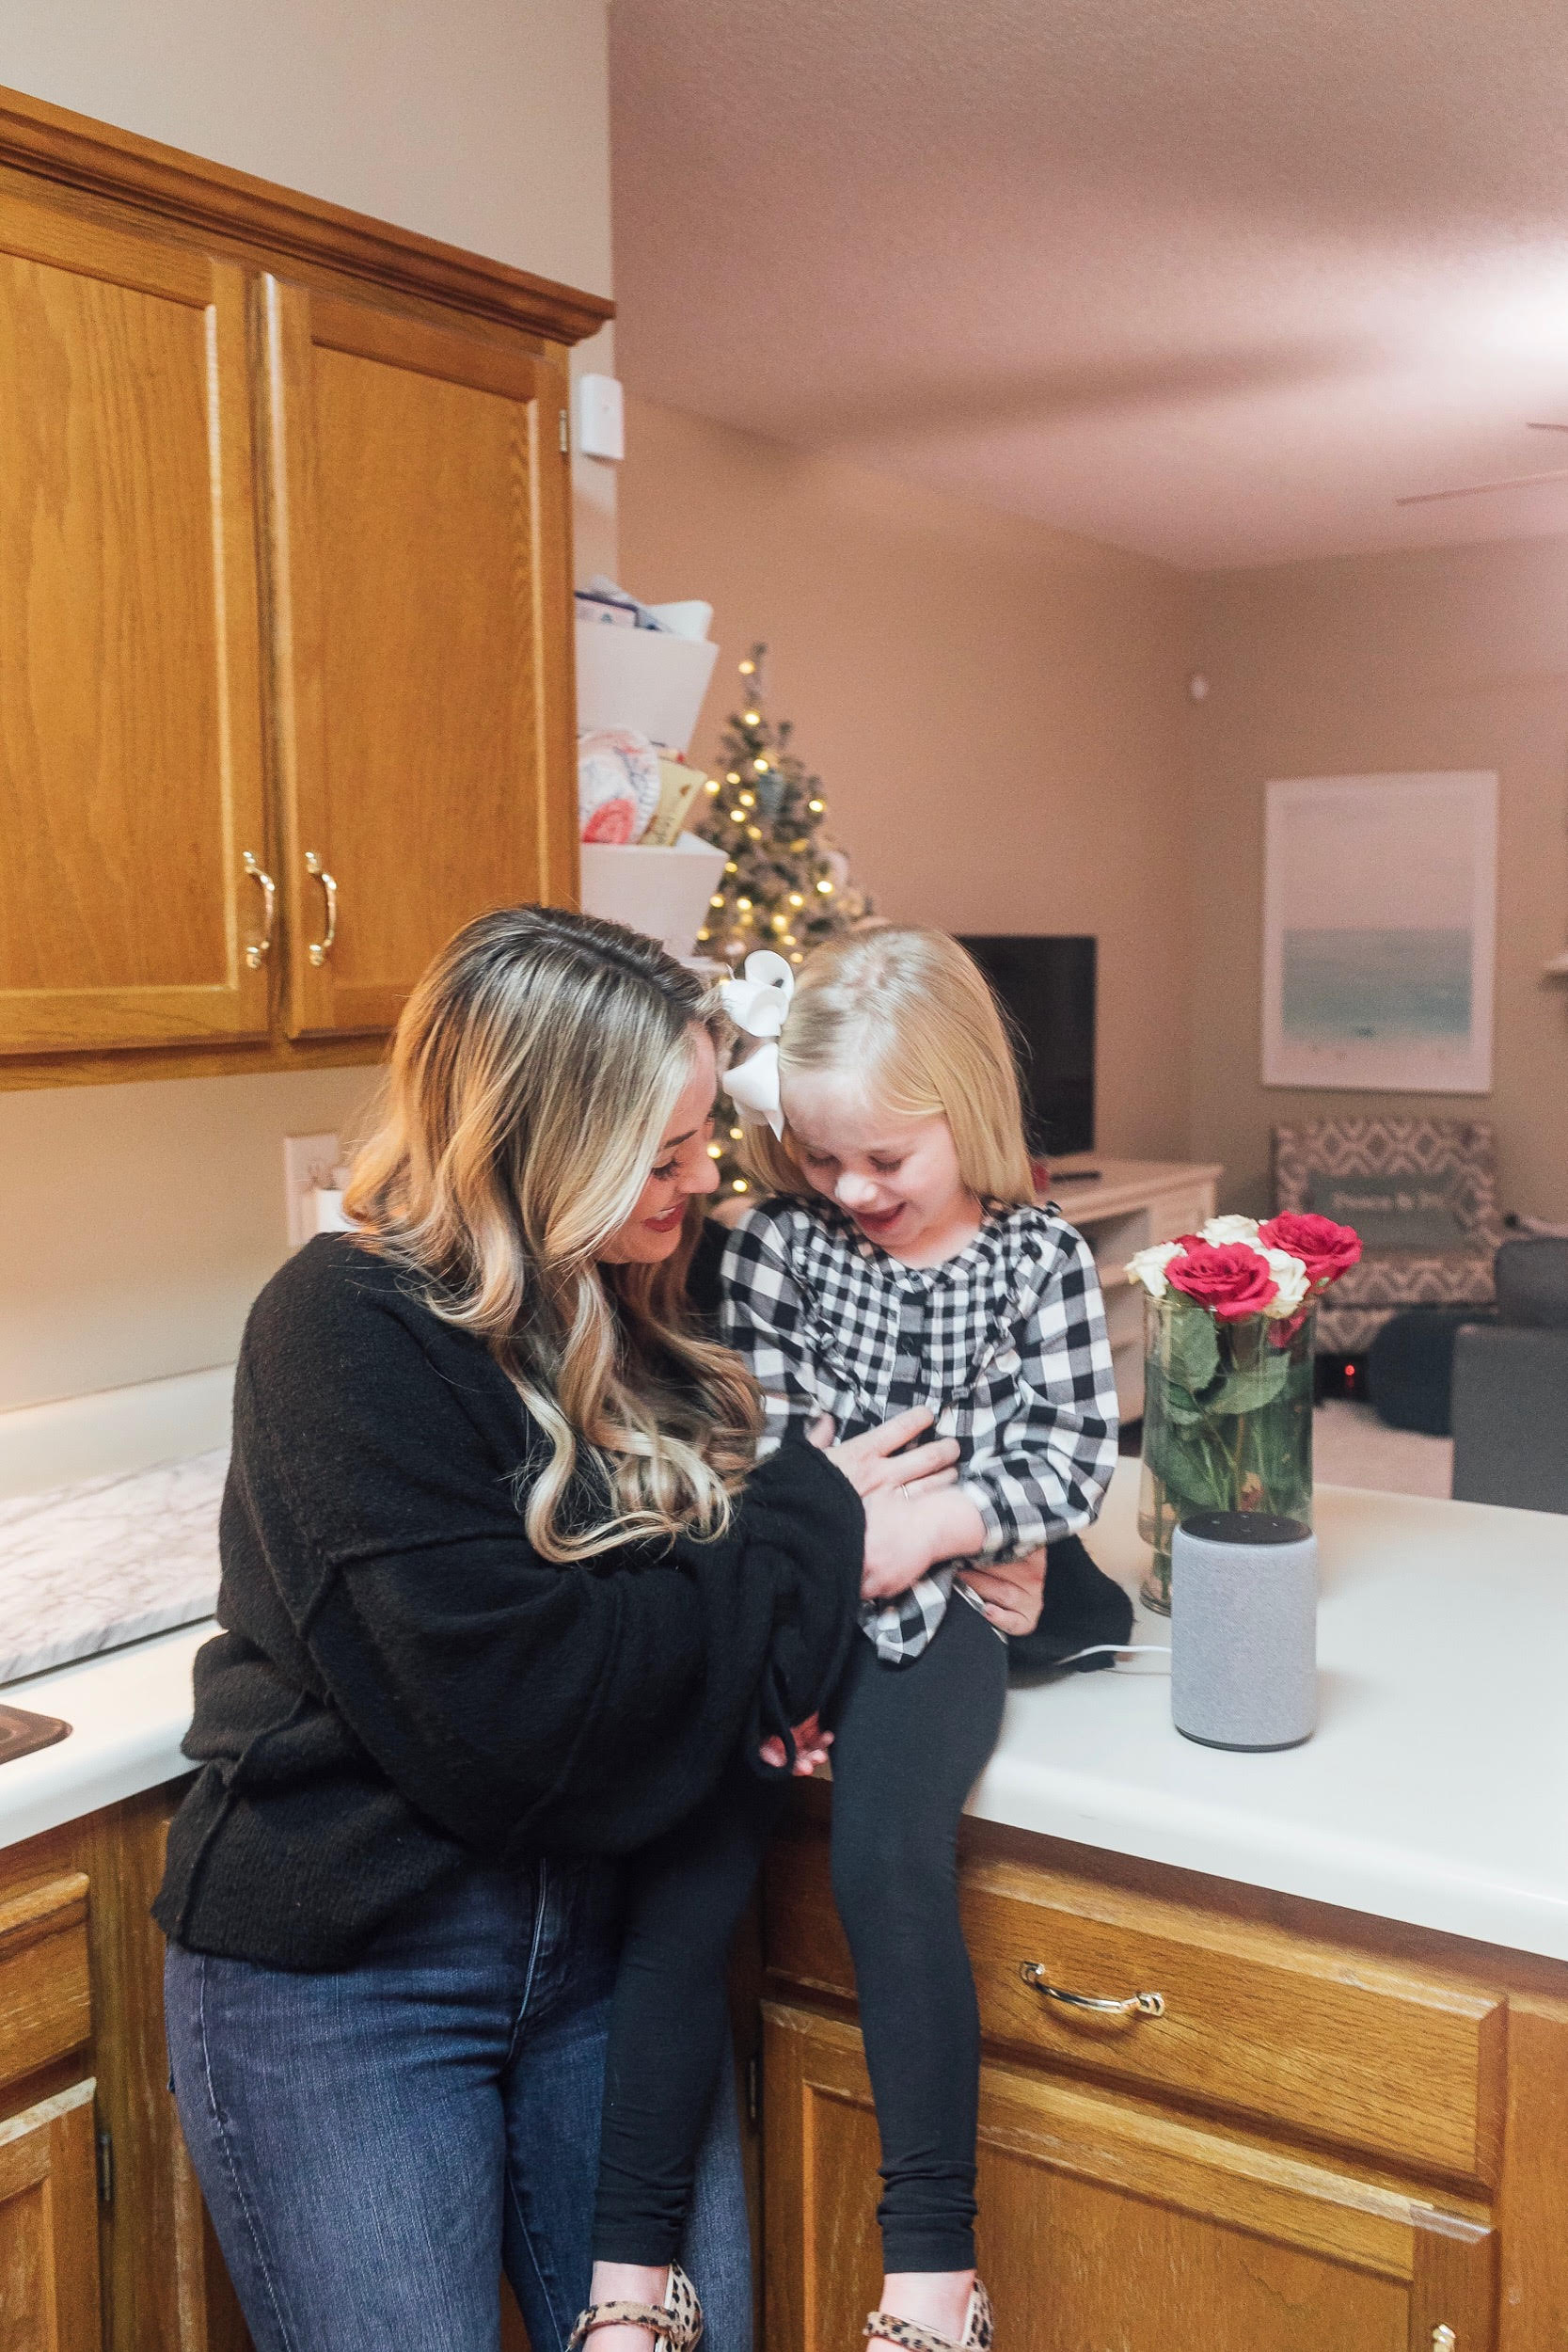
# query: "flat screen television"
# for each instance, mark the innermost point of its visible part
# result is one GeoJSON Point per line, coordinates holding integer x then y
{"type": "Point", "coordinates": [1047, 988]}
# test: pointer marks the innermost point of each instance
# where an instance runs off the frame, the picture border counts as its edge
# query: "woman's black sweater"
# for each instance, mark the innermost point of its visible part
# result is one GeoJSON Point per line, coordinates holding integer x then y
{"type": "Point", "coordinates": [403, 1683]}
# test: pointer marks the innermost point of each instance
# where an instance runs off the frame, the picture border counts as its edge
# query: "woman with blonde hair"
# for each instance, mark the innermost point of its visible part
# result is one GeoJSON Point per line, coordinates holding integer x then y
{"type": "Point", "coordinates": [903, 1264]}
{"type": "Point", "coordinates": [504, 1591]}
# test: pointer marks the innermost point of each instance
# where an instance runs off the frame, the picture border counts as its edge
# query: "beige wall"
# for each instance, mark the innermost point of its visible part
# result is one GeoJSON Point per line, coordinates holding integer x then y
{"type": "Point", "coordinates": [1453, 658]}
{"type": "Point", "coordinates": [998, 711]}
{"type": "Point", "coordinates": [483, 121]}
{"type": "Point", "coordinates": [140, 1221]}
{"type": "Point", "coordinates": [136, 1222]}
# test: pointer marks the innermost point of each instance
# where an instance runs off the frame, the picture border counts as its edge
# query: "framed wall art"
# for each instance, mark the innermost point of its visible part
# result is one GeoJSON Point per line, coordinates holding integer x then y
{"type": "Point", "coordinates": [1379, 932]}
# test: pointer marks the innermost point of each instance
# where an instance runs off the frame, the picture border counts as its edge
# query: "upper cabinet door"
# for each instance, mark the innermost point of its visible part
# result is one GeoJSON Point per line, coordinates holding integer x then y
{"type": "Point", "coordinates": [132, 860]}
{"type": "Point", "coordinates": [420, 596]}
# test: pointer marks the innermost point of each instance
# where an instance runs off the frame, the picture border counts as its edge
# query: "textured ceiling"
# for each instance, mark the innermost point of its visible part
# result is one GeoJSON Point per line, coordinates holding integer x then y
{"type": "Point", "coordinates": [1218, 279]}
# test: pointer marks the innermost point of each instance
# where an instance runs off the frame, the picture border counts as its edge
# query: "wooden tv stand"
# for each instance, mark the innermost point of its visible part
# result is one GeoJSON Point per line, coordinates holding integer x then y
{"type": "Point", "coordinates": [1120, 1206]}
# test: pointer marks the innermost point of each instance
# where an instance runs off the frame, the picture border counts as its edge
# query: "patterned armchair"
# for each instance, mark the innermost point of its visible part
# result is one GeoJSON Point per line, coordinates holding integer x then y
{"type": "Point", "coordinates": [1448, 1160]}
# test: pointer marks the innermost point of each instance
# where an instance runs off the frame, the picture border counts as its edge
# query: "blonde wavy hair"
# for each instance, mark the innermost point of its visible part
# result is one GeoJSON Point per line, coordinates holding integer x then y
{"type": "Point", "coordinates": [534, 1072]}
{"type": "Point", "coordinates": [910, 1013]}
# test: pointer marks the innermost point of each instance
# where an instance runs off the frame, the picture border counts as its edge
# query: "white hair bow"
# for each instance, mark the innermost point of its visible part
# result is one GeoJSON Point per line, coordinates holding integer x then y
{"type": "Point", "coordinates": [758, 1005]}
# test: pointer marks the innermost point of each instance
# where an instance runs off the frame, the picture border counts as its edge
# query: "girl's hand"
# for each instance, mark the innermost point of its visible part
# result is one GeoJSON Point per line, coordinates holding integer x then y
{"type": "Point", "coordinates": [1012, 1591]}
{"type": "Point", "coordinates": [873, 1463]}
{"type": "Point", "coordinates": [811, 1749]}
{"type": "Point", "coordinates": [907, 1533]}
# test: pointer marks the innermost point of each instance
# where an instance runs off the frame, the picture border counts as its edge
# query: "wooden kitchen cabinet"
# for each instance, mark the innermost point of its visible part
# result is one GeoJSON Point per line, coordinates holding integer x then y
{"type": "Point", "coordinates": [49, 2259]}
{"type": "Point", "coordinates": [103, 2237]}
{"type": "Point", "coordinates": [286, 677]}
{"type": "Point", "coordinates": [49, 2291]}
{"type": "Point", "coordinates": [1332, 2132]}
{"type": "Point", "coordinates": [131, 785]}
{"type": "Point", "coordinates": [419, 570]}
{"type": "Point", "coordinates": [1106, 2223]}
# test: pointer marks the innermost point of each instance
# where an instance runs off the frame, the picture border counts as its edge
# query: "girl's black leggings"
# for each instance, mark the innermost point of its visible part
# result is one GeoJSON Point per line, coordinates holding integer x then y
{"type": "Point", "coordinates": [909, 1744]}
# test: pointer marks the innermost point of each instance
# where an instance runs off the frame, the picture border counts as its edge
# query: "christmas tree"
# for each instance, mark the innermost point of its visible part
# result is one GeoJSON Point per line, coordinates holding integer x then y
{"type": "Point", "coordinates": [785, 885]}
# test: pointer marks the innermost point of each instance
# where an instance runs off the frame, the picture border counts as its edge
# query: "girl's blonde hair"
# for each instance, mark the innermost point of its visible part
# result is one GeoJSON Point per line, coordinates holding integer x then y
{"type": "Point", "coordinates": [534, 1072]}
{"type": "Point", "coordinates": [910, 1014]}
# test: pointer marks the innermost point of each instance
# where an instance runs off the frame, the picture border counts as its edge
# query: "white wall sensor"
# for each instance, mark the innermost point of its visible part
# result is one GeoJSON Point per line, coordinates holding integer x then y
{"type": "Point", "coordinates": [601, 425]}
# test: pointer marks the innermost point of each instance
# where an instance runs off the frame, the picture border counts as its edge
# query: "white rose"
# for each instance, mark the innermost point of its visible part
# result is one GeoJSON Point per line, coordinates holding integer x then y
{"type": "Point", "coordinates": [1149, 1266]}
{"type": "Point", "coordinates": [1223, 1229]}
{"type": "Point", "coordinates": [1291, 1275]}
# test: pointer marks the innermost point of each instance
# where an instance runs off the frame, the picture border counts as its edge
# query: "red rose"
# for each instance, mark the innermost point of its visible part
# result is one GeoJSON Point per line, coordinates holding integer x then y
{"type": "Point", "coordinates": [1229, 1277]}
{"type": "Point", "coordinates": [1324, 1248]}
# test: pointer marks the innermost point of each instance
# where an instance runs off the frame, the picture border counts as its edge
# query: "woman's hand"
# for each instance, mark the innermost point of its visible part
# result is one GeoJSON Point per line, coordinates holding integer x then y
{"type": "Point", "coordinates": [873, 1462]}
{"type": "Point", "coordinates": [1012, 1591]}
{"type": "Point", "coordinates": [811, 1749]}
{"type": "Point", "coordinates": [908, 1532]}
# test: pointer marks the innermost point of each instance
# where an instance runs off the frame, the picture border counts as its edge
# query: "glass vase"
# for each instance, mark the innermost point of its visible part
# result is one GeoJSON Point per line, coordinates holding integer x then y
{"type": "Point", "coordinates": [1227, 1421]}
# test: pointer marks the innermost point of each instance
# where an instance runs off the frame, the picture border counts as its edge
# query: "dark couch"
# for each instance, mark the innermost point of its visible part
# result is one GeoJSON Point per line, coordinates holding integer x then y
{"type": "Point", "coordinates": [1511, 1386]}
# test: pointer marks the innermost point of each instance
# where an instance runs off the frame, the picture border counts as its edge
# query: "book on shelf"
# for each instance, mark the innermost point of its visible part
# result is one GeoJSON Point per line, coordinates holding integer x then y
{"type": "Point", "coordinates": [678, 787]}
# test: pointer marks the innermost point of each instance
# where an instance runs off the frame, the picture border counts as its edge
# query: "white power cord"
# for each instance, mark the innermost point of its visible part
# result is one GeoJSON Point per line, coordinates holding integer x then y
{"type": "Point", "coordinates": [1116, 1649]}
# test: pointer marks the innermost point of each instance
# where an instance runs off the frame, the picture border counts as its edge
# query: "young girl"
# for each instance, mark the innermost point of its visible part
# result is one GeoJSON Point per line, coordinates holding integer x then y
{"type": "Point", "coordinates": [903, 1265]}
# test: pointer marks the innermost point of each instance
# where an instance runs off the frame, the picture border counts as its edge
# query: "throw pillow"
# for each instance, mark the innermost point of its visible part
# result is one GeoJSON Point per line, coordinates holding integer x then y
{"type": "Point", "coordinates": [1414, 1213]}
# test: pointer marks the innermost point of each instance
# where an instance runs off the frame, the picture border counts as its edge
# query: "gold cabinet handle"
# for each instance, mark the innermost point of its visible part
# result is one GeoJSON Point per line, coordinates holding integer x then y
{"type": "Point", "coordinates": [1135, 2004]}
{"type": "Point", "coordinates": [320, 949]}
{"type": "Point", "coordinates": [258, 950]}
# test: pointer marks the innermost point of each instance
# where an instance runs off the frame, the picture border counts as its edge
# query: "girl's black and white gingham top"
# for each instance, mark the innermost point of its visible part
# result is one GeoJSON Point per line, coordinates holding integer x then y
{"type": "Point", "coordinates": [1005, 1343]}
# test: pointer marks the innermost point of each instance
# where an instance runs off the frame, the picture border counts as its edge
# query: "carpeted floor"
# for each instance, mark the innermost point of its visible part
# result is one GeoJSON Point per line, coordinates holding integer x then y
{"type": "Point", "coordinates": [1351, 1447]}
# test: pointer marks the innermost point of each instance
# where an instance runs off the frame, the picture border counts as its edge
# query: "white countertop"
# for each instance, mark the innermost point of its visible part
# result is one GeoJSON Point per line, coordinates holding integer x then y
{"type": "Point", "coordinates": [129, 1711]}
{"type": "Point", "coordinates": [1435, 1789]}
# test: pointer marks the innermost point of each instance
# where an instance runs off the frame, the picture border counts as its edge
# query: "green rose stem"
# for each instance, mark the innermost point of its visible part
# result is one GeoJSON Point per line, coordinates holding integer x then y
{"type": "Point", "coordinates": [1227, 1423]}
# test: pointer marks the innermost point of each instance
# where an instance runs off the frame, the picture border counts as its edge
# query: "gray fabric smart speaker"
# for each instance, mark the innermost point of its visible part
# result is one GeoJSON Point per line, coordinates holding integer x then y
{"type": "Point", "coordinates": [1243, 1630]}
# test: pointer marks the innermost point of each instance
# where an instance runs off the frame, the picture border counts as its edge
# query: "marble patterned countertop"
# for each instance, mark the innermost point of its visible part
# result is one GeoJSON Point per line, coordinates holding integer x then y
{"type": "Point", "coordinates": [90, 1567]}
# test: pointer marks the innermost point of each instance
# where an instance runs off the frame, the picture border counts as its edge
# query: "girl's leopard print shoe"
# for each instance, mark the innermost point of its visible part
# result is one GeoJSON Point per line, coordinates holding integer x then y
{"type": "Point", "coordinates": [910, 2336]}
{"type": "Point", "coordinates": [676, 2323]}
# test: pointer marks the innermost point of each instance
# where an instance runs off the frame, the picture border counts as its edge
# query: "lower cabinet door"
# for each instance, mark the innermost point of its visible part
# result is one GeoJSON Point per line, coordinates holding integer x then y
{"type": "Point", "coordinates": [49, 2299]}
{"type": "Point", "coordinates": [1105, 2227]}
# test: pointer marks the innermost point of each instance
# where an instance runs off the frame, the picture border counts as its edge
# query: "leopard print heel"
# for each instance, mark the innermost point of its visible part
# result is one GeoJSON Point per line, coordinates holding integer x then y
{"type": "Point", "coordinates": [979, 2328]}
{"type": "Point", "coordinates": [676, 2323]}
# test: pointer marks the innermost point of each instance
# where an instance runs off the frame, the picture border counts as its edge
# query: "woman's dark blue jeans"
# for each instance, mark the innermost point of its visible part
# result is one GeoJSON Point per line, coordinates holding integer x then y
{"type": "Point", "coordinates": [376, 2143]}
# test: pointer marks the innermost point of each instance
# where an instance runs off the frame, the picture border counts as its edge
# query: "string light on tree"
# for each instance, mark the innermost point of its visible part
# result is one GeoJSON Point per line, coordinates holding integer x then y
{"type": "Point", "coordinates": [784, 883]}
{"type": "Point", "coordinates": [781, 873]}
